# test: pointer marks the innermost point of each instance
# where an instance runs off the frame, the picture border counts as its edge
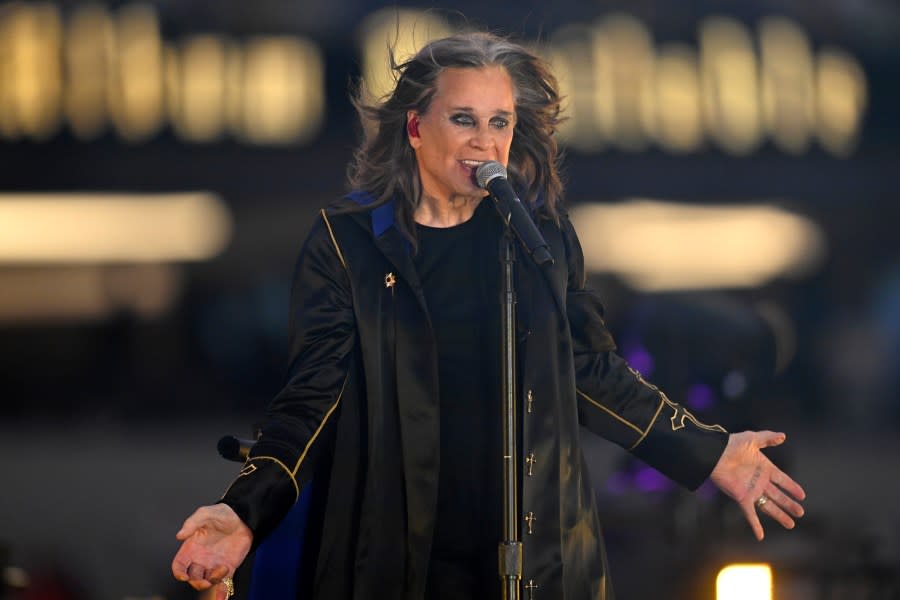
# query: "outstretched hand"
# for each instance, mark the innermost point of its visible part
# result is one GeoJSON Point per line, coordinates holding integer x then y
{"type": "Point", "coordinates": [216, 541]}
{"type": "Point", "coordinates": [746, 475]}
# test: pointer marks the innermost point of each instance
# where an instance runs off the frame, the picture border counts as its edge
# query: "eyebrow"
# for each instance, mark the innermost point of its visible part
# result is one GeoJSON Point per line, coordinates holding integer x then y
{"type": "Point", "coordinates": [498, 112]}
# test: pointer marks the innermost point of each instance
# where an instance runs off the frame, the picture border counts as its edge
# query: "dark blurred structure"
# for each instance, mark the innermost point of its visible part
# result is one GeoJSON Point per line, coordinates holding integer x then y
{"type": "Point", "coordinates": [118, 375]}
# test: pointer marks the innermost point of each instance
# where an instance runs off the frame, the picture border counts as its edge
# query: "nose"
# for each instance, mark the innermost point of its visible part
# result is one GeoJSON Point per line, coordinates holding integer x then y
{"type": "Point", "coordinates": [481, 138]}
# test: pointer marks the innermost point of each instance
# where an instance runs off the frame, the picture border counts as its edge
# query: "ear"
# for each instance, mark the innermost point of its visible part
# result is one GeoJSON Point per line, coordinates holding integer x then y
{"type": "Point", "coordinates": [412, 129]}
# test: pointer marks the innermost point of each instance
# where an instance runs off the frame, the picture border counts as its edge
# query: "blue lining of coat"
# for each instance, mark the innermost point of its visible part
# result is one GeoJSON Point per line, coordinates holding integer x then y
{"type": "Point", "coordinates": [382, 216]}
{"type": "Point", "coordinates": [276, 565]}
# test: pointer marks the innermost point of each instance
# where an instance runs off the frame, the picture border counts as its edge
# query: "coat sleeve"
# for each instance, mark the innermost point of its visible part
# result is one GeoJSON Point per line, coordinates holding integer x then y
{"type": "Point", "coordinates": [322, 338]}
{"type": "Point", "coordinates": [617, 403]}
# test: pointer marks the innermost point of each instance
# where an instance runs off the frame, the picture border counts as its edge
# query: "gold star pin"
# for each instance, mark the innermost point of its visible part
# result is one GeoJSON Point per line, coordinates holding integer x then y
{"type": "Point", "coordinates": [389, 280]}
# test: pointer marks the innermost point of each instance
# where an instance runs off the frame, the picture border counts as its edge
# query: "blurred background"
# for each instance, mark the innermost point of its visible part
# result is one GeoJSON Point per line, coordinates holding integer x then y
{"type": "Point", "coordinates": [733, 173]}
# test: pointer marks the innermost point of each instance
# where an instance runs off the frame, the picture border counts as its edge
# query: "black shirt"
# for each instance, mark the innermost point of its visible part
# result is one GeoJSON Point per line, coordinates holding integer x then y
{"type": "Point", "coordinates": [459, 270]}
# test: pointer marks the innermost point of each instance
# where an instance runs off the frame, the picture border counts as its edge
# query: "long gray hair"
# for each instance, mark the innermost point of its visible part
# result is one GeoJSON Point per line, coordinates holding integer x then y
{"type": "Point", "coordinates": [385, 164]}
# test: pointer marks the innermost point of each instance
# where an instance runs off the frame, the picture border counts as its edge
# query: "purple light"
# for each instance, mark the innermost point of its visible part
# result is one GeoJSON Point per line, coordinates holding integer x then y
{"type": "Point", "coordinates": [640, 360]}
{"type": "Point", "coordinates": [651, 480]}
{"type": "Point", "coordinates": [700, 397]}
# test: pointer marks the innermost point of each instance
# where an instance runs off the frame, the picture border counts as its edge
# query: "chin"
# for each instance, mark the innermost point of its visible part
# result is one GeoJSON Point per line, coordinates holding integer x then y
{"type": "Point", "coordinates": [466, 188]}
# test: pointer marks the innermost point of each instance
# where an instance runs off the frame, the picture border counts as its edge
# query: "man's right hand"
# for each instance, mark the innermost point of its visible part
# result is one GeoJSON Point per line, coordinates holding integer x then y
{"type": "Point", "coordinates": [216, 542]}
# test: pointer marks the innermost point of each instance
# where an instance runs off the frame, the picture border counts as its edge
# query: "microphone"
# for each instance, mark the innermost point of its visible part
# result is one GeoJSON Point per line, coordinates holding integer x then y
{"type": "Point", "coordinates": [491, 176]}
{"type": "Point", "coordinates": [232, 448]}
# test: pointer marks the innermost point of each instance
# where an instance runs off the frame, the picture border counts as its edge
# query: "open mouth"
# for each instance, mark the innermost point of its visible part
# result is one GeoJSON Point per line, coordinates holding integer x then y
{"type": "Point", "coordinates": [471, 166]}
{"type": "Point", "coordinates": [474, 164]}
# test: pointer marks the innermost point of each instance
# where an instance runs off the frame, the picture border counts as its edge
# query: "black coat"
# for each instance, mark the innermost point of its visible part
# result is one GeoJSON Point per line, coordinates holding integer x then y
{"type": "Point", "coordinates": [360, 415]}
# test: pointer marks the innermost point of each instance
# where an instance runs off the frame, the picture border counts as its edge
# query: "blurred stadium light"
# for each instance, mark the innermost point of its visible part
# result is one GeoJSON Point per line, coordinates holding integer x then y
{"type": "Point", "coordinates": [86, 293]}
{"type": "Point", "coordinates": [88, 51]}
{"type": "Point", "coordinates": [100, 67]}
{"type": "Point", "coordinates": [788, 84]}
{"type": "Point", "coordinates": [111, 228]}
{"type": "Point", "coordinates": [197, 84]}
{"type": "Point", "coordinates": [399, 31]}
{"type": "Point", "coordinates": [841, 99]}
{"type": "Point", "coordinates": [729, 75]}
{"type": "Point", "coordinates": [137, 94]}
{"type": "Point", "coordinates": [283, 93]}
{"type": "Point", "coordinates": [623, 90]}
{"type": "Point", "coordinates": [30, 72]}
{"type": "Point", "coordinates": [85, 257]}
{"type": "Point", "coordinates": [744, 582]}
{"type": "Point", "coordinates": [656, 246]}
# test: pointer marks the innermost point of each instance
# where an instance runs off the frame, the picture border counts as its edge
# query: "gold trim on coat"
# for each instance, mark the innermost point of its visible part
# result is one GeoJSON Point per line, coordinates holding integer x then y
{"type": "Point", "coordinates": [337, 248]}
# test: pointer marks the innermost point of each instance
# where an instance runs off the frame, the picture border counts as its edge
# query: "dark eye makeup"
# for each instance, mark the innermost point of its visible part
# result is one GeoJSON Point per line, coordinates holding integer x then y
{"type": "Point", "coordinates": [467, 120]}
{"type": "Point", "coordinates": [463, 119]}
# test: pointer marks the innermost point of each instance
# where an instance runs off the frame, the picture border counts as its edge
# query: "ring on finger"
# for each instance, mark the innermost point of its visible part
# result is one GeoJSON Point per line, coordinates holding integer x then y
{"type": "Point", "coordinates": [761, 501]}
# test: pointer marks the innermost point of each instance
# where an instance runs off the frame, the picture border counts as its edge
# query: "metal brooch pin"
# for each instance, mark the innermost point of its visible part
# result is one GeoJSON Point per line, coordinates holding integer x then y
{"type": "Point", "coordinates": [389, 280]}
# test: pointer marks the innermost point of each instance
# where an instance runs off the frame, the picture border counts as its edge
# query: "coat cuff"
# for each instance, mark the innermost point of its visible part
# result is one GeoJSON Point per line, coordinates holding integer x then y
{"type": "Point", "coordinates": [263, 493]}
{"type": "Point", "coordinates": [681, 447]}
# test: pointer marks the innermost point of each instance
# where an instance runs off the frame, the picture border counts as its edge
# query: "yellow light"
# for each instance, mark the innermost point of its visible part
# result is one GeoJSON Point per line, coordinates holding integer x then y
{"type": "Point", "coordinates": [842, 96]}
{"type": "Point", "coordinates": [679, 121]}
{"type": "Point", "coordinates": [283, 97]}
{"type": "Point", "coordinates": [200, 108]}
{"type": "Point", "coordinates": [88, 53]}
{"type": "Point", "coordinates": [624, 57]}
{"type": "Point", "coordinates": [75, 293]}
{"type": "Point", "coordinates": [136, 86]}
{"type": "Point", "coordinates": [788, 90]}
{"type": "Point", "coordinates": [9, 128]}
{"type": "Point", "coordinates": [403, 30]}
{"type": "Point", "coordinates": [730, 86]}
{"type": "Point", "coordinates": [567, 52]}
{"type": "Point", "coordinates": [744, 582]}
{"type": "Point", "coordinates": [656, 246]}
{"type": "Point", "coordinates": [30, 42]}
{"type": "Point", "coordinates": [106, 228]}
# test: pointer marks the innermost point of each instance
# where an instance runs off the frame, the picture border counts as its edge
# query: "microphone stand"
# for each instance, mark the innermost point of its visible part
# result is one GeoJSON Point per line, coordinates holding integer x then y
{"type": "Point", "coordinates": [510, 547]}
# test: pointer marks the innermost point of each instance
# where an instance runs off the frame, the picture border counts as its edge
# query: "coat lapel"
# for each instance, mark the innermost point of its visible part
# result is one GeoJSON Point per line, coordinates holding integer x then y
{"type": "Point", "coordinates": [388, 239]}
{"type": "Point", "coordinates": [396, 249]}
{"type": "Point", "coordinates": [416, 377]}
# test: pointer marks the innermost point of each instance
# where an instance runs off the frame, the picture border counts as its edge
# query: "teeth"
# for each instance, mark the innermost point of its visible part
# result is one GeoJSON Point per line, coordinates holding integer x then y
{"type": "Point", "coordinates": [472, 163]}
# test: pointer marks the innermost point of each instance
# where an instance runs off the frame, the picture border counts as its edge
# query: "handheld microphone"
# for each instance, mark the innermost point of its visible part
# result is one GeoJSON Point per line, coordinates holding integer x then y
{"type": "Point", "coordinates": [492, 177]}
{"type": "Point", "coordinates": [232, 448]}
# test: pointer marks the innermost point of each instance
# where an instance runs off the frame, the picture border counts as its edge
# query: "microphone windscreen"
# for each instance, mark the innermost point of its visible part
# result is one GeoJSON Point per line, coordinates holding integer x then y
{"type": "Point", "coordinates": [232, 448]}
{"type": "Point", "coordinates": [487, 171]}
